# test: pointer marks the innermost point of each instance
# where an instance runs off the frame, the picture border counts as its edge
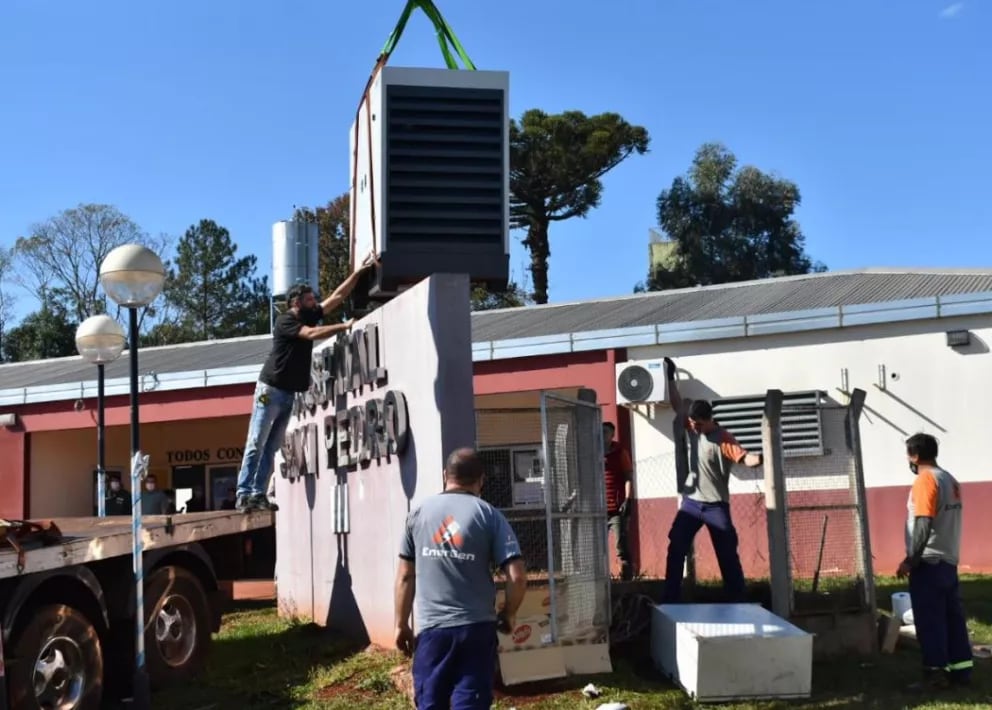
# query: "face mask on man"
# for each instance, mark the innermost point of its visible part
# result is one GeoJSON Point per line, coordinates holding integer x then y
{"type": "Point", "coordinates": [311, 316]}
{"type": "Point", "coordinates": [915, 468]}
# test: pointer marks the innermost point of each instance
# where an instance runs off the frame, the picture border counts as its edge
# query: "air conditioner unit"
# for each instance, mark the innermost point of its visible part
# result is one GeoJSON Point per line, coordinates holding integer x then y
{"type": "Point", "coordinates": [641, 382]}
{"type": "Point", "coordinates": [430, 177]}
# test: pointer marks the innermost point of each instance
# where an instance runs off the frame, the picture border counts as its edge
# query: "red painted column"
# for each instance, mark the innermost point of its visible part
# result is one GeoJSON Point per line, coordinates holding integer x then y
{"type": "Point", "coordinates": [13, 472]}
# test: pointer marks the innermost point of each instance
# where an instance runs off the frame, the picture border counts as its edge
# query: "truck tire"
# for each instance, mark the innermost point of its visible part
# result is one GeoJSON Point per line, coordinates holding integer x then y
{"type": "Point", "coordinates": [177, 626]}
{"type": "Point", "coordinates": [57, 662]}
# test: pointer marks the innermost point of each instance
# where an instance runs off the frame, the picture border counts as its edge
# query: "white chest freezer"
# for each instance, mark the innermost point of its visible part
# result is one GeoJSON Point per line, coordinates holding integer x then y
{"type": "Point", "coordinates": [722, 652]}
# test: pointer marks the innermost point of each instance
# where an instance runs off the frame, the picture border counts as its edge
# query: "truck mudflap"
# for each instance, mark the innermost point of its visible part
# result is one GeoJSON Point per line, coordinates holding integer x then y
{"type": "Point", "coordinates": [217, 601]}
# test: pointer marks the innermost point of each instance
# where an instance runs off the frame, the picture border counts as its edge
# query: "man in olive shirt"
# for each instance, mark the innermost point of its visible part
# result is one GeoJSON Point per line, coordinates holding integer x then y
{"type": "Point", "coordinates": [713, 451]}
{"type": "Point", "coordinates": [933, 547]}
{"type": "Point", "coordinates": [285, 373]}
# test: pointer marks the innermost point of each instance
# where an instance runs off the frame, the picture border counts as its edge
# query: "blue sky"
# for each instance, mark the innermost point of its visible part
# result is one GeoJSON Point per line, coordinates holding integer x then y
{"type": "Point", "coordinates": [236, 110]}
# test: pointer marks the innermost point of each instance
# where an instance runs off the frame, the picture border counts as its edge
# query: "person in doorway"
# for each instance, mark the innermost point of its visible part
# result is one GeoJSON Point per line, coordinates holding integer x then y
{"type": "Point", "coordinates": [713, 451]}
{"type": "Point", "coordinates": [933, 546]}
{"type": "Point", "coordinates": [118, 501]}
{"type": "Point", "coordinates": [154, 501]}
{"type": "Point", "coordinates": [285, 373]}
{"type": "Point", "coordinates": [619, 474]}
{"type": "Point", "coordinates": [229, 502]}
{"type": "Point", "coordinates": [198, 503]}
{"type": "Point", "coordinates": [451, 544]}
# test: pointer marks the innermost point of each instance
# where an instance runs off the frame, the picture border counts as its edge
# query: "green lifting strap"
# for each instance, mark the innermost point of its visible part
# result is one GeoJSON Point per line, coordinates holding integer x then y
{"type": "Point", "coordinates": [445, 35]}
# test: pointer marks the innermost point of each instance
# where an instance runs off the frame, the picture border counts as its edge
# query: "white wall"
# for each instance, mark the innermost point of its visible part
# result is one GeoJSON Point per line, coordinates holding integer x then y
{"type": "Point", "coordinates": [929, 387]}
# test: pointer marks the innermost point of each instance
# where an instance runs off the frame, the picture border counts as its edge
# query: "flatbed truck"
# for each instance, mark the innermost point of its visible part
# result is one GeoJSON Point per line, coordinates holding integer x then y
{"type": "Point", "coordinates": [67, 610]}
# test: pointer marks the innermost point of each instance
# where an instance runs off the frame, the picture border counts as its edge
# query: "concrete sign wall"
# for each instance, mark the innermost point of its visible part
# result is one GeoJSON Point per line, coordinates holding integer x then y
{"type": "Point", "coordinates": [386, 405]}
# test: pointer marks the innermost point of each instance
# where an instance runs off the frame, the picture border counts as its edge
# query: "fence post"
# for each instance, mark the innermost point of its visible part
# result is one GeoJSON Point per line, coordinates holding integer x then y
{"type": "Point", "coordinates": [854, 409]}
{"type": "Point", "coordinates": [548, 466]}
{"type": "Point", "coordinates": [681, 476]}
{"type": "Point", "coordinates": [775, 505]}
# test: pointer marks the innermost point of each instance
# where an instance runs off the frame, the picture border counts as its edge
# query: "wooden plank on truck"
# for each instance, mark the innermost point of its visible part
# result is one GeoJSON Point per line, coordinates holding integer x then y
{"type": "Point", "coordinates": [93, 539]}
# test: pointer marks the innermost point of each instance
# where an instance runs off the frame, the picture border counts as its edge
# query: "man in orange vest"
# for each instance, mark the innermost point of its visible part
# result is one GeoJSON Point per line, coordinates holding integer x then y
{"type": "Point", "coordinates": [933, 547]}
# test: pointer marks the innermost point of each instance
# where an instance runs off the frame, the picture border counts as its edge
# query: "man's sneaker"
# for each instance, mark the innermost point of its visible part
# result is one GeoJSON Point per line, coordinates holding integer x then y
{"type": "Point", "coordinates": [262, 502]}
{"type": "Point", "coordinates": [933, 681]}
{"type": "Point", "coordinates": [626, 571]}
{"type": "Point", "coordinates": [244, 504]}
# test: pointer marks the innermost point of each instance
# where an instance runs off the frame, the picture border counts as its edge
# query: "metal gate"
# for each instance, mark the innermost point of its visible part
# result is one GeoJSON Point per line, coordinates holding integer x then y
{"type": "Point", "coordinates": [545, 473]}
{"type": "Point", "coordinates": [575, 520]}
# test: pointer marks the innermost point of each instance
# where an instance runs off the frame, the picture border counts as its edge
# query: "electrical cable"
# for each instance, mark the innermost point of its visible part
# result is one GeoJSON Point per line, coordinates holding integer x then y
{"type": "Point", "coordinates": [630, 616]}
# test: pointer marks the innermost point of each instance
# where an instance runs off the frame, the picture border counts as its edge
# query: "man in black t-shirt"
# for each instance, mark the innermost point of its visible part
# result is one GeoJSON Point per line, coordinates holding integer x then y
{"type": "Point", "coordinates": [286, 372]}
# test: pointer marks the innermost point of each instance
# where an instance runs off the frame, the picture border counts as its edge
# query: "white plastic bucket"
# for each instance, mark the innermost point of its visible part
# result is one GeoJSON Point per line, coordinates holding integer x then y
{"type": "Point", "coordinates": [902, 607]}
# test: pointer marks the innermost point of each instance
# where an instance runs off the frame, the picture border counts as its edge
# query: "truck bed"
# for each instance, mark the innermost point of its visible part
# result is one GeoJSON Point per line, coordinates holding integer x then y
{"type": "Point", "coordinates": [92, 539]}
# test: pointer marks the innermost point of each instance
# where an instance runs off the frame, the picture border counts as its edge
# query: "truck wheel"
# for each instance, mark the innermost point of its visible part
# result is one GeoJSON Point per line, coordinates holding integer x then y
{"type": "Point", "coordinates": [177, 626]}
{"type": "Point", "coordinates": [57, 662]}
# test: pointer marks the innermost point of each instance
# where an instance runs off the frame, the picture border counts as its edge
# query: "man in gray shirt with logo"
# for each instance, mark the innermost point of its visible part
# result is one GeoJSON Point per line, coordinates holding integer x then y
{"type": "Point", "coordinates": [452, 545]}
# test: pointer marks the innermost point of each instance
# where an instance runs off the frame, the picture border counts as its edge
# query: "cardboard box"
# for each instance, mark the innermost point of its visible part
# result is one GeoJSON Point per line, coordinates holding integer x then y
{"type": "Point", "coordinates": [528, 653]}
{"type": "Point", "coordinates": [537, 601]}
{"type": "Point", "coordinates": [529, 633]}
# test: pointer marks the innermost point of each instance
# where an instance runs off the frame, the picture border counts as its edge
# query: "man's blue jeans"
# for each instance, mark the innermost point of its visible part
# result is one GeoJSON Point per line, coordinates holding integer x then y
{"type": "Point", "coordinates": [266, 433]}
{"type": "Point", "coordinates": [941, 625]}
{"type": "Point", "coordinates": [692, 516]}
{"type": "Point", "coordinates": [453, 667]}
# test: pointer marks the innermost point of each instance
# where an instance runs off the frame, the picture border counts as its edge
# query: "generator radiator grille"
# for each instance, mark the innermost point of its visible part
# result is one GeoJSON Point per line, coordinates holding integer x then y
{"type": "Point", "coordinates": [445, 165]}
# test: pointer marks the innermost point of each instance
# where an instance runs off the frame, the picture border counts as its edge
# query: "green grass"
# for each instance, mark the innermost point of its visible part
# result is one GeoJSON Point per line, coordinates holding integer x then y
{"type": "Point", "coordinates": [261, 661]}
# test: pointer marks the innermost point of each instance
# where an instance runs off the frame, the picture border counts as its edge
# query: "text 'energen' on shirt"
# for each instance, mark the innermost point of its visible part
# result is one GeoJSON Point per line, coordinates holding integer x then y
{"type": "Point", "coordinates": [456, 540]}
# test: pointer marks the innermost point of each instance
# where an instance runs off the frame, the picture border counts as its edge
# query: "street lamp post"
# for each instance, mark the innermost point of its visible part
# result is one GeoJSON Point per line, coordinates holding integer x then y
{"type": "Point", "coordinates": [100, 339]}
{"type": "Point", "coordinates": [133, 276]}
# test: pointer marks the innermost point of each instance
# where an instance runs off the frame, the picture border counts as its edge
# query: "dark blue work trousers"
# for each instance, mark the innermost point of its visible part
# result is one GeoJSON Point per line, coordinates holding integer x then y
{"type": "Point", "coordinates": [941, 627]}
{"type": "Point", "coordinates": [691, 517]}
{"type": "Point", "coordinates": [454, 667]}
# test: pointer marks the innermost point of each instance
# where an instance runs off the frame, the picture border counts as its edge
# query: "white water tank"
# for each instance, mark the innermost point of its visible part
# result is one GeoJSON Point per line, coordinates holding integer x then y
{"type": "Point", "coordinates": [294, 255]}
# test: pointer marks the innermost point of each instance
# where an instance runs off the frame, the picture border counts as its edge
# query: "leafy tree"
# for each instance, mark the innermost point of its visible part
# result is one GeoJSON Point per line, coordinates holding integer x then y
{"type": "Point", "coordinates": [334, 257]}
{"type": "Point", "coordinates": [46, 333]}
{"type": "Point", "coordinates": [728, 224]}
{"type": "Point", "coordinates": [333, 246]}
{"type": "Point", "coordinates": [210, 292]}
{"type": "Point", "coordinates": [6, 299]}
{"type": "Point", "coordinates": [62, 256]}
{"type": "Point", "coordinates": [513, 297]}
{"type": "Point", "coordinates": [556, 162]}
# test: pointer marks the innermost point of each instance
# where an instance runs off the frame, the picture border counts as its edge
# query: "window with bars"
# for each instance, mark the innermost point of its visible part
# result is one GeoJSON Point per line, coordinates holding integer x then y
{"type": "Point", "coordinates": [802, 425]}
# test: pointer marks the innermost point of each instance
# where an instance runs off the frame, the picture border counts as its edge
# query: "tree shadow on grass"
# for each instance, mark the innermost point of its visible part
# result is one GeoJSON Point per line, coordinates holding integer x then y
{"type": "Point", "coordinates": [258, 662]}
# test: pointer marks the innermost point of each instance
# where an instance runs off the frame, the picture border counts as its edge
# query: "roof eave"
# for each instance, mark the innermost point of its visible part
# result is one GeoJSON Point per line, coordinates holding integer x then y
{"type": "Point", "coordinates": [917, 309]}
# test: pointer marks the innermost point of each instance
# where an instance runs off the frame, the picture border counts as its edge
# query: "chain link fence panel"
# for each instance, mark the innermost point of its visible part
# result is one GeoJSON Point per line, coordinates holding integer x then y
{"type": "Point", "coordinates": [830, 559]}
{"type": "Point", "coordinates": [545, 474]}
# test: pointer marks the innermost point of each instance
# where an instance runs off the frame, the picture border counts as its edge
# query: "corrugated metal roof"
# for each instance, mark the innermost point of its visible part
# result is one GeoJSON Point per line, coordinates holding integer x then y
{"type": "Point", "coordinates": [188, 357]}
{"type": "Point", "coordinates": [794, 293]}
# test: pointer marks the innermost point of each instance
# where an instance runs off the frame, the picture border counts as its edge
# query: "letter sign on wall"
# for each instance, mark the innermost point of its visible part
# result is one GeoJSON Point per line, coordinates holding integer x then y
{"type": "Point", "coordinates": [351, 436]}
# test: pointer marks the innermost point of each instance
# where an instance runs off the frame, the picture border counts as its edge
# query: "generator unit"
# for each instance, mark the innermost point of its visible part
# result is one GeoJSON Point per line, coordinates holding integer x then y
{"type": "Point", "coordinates": [641, 382]}
{"type": "Point", "coordinates": [430, 178]}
